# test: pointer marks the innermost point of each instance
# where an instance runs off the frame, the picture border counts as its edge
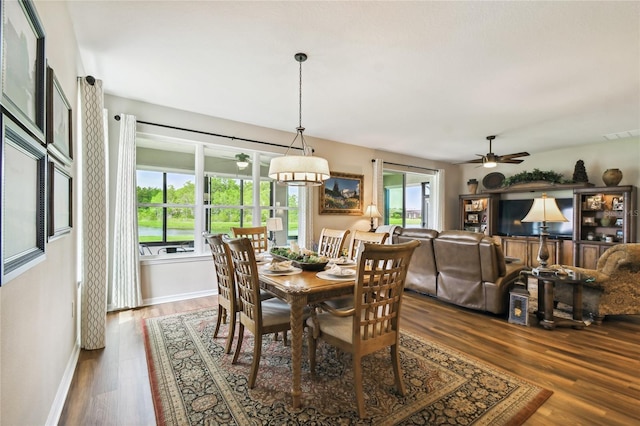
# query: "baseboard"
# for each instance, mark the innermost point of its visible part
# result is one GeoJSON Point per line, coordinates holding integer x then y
{"type": "Point", "coordinates": [178, 297]}
{"type": "Point", "coordinates": [63, 389]}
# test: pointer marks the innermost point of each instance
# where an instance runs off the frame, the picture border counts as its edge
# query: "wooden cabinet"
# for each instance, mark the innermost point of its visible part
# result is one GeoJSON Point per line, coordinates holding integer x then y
{"type": "Point", "coordinates": [602, 217]}
{"type": "Point", "coordinates": [479, 213]}
{"type": "Point", "coordinates": [526, 249]}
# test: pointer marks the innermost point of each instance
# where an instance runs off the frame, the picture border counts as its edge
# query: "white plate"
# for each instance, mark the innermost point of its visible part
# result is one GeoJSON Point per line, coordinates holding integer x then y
{"type": "Point", "coordinates": [327, 276]}
{"type": "Point", "coordinates": [348, 262]}
{"type": "Point", "coordinates": [291, 271]}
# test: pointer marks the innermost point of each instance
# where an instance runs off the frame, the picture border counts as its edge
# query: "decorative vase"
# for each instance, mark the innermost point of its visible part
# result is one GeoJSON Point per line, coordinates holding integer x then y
{"type": "Point", "coordinates": [612, 177]}
{"type": "Point", "coordinates": [472, 186]}
{"type": "Point", "coordinates": [605, 221]}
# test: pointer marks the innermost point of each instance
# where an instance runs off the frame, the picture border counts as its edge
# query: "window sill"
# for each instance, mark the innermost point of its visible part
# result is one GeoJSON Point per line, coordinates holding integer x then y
{"type": "Point", "coordinates": [174, 258]}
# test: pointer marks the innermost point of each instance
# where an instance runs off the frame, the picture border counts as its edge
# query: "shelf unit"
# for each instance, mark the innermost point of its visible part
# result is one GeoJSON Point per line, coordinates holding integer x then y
{"type": "Point", "coordinates": [602, 217]}
{"type": "Point", "coordinates": [479, 213]}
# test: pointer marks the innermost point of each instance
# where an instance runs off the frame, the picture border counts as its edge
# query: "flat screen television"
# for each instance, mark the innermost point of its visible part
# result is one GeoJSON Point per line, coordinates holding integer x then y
{"type": "Point", "coordinates": [511, 211]}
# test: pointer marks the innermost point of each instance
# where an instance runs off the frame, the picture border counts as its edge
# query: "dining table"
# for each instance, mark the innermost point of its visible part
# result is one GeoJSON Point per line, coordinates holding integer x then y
{"type": "Point", "coordinates": [301, 289]}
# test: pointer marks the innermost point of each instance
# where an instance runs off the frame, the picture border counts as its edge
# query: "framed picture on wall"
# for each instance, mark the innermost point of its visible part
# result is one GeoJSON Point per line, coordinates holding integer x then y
{"type": "Point", "coordinates": [23, 65]}
{"type": "Point", "coordinates": [342, 194]}
{"type": "Point", "coordinates": [59, 131]}
{"type": "Point", "coordinates": [23, 200]}
{"type": "Point", "coordinates": [60, 200]}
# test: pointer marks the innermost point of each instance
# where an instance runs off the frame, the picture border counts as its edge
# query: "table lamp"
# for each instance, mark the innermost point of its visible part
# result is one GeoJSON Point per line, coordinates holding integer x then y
{"type": "Point", "coordinates": [371, 212]}
{"type": "Point", "coordinates": [544, 210]}
{"type": "Point", "coordinates": [273, 224]}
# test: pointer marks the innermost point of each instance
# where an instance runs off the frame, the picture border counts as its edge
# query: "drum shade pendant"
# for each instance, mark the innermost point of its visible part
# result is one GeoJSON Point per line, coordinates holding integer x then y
{"type": "Point", "coordinates": [299, 170]}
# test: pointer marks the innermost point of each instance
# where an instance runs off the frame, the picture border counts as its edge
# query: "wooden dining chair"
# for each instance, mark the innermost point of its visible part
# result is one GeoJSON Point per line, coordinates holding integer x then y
{"type": "Point", "coordinates": [258, 316]}
{"type": "Point", "coordinates": [258, 236]}
{"type": "Point", "coordinates": [360, 237]}
{"type": "Point", "coordinates": [227, 295]}
{"type": "Point", "coordinates": [331, 242]}
{"type": "Point", "coordinates": [373, 322]}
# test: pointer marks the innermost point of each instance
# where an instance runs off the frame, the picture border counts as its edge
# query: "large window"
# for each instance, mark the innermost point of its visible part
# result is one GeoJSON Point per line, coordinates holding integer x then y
{"type": "Point", "coordinates": [187, 188]}
{"type": "Point", "coordinates": [408, 199]}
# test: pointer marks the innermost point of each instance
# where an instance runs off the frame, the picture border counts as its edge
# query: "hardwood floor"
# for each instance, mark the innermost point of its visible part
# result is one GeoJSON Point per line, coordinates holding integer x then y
{"type": "Point", "coordinates": [594, 373]}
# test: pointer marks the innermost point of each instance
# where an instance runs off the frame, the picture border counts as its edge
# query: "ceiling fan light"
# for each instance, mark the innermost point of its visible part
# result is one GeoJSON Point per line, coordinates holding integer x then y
{"type": "Point", "coordinates": [489, 164]}
{"type": "Point", "coordinates": [242, 162]}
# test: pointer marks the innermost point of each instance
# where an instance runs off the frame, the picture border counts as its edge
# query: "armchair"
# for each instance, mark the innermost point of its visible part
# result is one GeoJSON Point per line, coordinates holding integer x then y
{"type": "Point", "coordinates": [616, 289]}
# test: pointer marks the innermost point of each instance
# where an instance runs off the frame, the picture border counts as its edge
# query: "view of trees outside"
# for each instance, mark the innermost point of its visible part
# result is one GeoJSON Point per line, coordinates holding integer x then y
{"type": "Point", "coordinates": [230, 204]}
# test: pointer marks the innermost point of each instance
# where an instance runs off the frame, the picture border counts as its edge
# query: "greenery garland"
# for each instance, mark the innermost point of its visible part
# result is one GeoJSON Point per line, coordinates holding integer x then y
{"type": "Point", "coordinates": [535, 176]}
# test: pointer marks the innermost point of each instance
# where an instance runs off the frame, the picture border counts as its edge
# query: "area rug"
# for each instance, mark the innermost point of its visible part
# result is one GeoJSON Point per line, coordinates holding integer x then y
{"type": "Point", "coordinates": [194, 383]}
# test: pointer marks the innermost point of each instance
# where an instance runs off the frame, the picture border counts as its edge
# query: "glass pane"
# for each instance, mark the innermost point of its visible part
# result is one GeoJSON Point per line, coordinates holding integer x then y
{"type": "Point", "coordinates": [180, 224]}
{"type": "Point", "coordinates": [413, 200]}
{"type": "Point", "coordinates": [247, 217]}
{"type": "Point", "coordinates": [149, 186]}
{"type": "Point", "coordinates": [181, 188]}
{"type": "Point", "coordinates": [222, 220]}
{"type": "Point", "coordinates": [223, 191]}
{"type": "Point", "coordinates": [265, 193]}
{"type": "Point", "coordinates": [149, 224]}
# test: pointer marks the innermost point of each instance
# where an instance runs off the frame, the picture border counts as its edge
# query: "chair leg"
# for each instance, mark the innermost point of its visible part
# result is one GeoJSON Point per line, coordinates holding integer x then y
{"type": "Point", "coordinates": [357, 383]}
{"type": "Point", "coordinates": [239, 345]}
{"type": "Point", "coordinates": [257, 351]}
{"type": "Point", "coordinates": [220, 315]}
{"type": "Point", "coordinates": [230, 335]}
{"type": "Point", "coordinates": [397, 369]}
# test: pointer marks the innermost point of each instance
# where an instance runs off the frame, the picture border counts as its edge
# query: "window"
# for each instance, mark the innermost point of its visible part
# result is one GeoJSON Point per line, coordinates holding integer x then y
{"type": "Point", "coordinates": [177, 201]}
{"type": "Point", "coordinates": [408, 199]}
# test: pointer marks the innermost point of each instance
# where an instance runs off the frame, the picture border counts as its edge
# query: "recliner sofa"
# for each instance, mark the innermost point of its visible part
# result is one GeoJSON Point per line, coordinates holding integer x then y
{"type": "Point", "coordinates": [460, 267]}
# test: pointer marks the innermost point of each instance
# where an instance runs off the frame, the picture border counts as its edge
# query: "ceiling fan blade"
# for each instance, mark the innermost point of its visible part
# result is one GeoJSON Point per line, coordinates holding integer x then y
{"type": "Point", "coordinates": [517, 154]}
{"type": "Point", "coordinates": [510, 161]}
{"type": "Point", "coordinates": [476, 161]}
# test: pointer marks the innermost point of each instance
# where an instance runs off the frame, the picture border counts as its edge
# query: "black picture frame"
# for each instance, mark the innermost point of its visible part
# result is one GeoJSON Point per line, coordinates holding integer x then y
{"type": "Point", "coordinates": [23, 66]}
{"type": "Point", "coordinates": [519, 307]}
{"type": "Point", "coordinates": [59, 120]}
{"type": "Point", "coordinates": [23, 214]}
{"type": "Point", "coordinates": [342, 194]}
{"type": "Point", "coordinates": [60, 206]}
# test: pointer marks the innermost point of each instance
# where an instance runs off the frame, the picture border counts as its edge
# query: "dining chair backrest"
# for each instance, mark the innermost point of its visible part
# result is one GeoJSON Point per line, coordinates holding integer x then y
{"type": "Point", "coordinates": [247, 283]}
{"type": "Point", "coordinates": [380, 278]}
{"type": "Point", "coordinates": [257, 234]}
{"type": "Point", "coordinates": [331, 242]}
{"type": "Point", "coordinates": [360, 237]}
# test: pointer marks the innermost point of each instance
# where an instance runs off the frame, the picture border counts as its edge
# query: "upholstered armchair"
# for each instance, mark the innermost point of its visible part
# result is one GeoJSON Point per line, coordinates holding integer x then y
{"type": "Point", "coordinates": [616, 289]}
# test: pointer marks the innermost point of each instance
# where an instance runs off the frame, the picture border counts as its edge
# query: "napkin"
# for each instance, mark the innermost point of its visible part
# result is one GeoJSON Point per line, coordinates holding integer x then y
{"type": "Point", "coordinates": [278, 266]}
{"type": "Point", "coordinates": [338, 271]}
{"type": "Point", "coordinates": [341, 260]}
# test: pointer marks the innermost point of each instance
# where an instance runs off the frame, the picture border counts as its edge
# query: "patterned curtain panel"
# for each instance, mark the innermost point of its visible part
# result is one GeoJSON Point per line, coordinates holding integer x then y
{"type": "Point", "coordinates": [124, 290]}
{"type": "Point", "coordinates": [94, 214]}
{"type": "Point", "coordinates": [305, 218]}
{"type": "Point", "coordinates": [378, 184]}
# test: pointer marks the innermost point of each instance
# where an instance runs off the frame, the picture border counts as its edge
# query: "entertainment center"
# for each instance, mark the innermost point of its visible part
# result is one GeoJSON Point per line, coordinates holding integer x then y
{"type": "Point", "coordinates": [598, 218]}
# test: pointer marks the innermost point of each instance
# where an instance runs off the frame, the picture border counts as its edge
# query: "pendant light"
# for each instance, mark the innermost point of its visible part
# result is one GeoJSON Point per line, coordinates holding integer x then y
{"type": "Point", "coordinates": [299, 170]}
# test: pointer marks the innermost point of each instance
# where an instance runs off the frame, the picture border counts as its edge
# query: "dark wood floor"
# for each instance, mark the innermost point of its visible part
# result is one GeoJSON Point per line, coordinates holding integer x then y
{"type": "Point", "coordinates": [594, 373]}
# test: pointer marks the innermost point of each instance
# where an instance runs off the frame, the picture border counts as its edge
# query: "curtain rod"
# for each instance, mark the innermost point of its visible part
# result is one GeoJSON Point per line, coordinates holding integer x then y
{"type": "Point", "coordinates": [202, 132]}
{"type": "Point", "coordinates": [407, 165]}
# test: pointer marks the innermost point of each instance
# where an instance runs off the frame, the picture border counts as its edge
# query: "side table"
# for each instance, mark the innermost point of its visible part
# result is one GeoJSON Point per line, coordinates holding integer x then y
{"type": "Point", "coordinates": [546, 285]}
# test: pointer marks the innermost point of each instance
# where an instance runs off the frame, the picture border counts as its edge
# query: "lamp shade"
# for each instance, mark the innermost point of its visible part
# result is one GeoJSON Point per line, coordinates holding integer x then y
{"type": "Point", "coordinates": [372, 211]}
{"type": "Point", "coordinates": [299, 170]}
{"type": "Point", "coordinates": [544, 209]}
{"type": "Point", "coordinates": [274, 224]}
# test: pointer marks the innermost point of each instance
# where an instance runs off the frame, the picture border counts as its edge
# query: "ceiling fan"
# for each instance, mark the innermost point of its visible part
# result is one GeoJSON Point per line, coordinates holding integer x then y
{"type": "Point", "coordinates": [491, 160]}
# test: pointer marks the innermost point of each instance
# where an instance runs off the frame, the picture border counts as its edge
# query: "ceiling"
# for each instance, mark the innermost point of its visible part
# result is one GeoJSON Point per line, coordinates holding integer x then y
{"type": "Point", "coordinates": [429, 79]}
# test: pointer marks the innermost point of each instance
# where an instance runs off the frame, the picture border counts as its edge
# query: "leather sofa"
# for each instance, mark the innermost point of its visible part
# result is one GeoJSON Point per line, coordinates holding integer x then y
{"type": "Point", "coordinates": [460, 267]}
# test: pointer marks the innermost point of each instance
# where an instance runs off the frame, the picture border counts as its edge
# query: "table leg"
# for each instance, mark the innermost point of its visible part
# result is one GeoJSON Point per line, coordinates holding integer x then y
{"type": "Point", "coordinates": [548, 322]}
{"type": "Point", "coordinates": [298, 302]}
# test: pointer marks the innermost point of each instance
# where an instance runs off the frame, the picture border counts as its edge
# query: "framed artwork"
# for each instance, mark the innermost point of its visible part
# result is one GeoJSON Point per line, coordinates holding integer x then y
{"type": "Point", "coordinates": [23, 200]}
{"type": "Point", "coordinates": [59, 131]}
{"type": "Point", "coordinates": [60, 200]}
{"type": "Point", "coordinates": [594, 202]}
{"type": "Point", "coordinates": [620, 235]}
{"type": "Point", "coordinates": [472, 218]}
{"type": "Point", "coordinates": [23, 65]}
{"type": "Point", "coordinates": [619, 221]}
{"type": "Point", "coordinates": [589, 220]}
{"type": "Point", "coordinates": [519, 307]}
{"type": "Point", "coordinates": [341, 194]}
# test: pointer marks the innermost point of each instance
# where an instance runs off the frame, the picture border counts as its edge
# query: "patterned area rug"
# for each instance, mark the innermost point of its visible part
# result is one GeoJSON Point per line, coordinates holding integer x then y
{"type": "Point", "coordinates": [194, 383]}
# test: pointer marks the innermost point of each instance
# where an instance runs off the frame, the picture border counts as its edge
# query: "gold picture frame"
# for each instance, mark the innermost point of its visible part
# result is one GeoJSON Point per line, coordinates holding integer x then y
{"type": "Point", "coordinates": [342, 194]}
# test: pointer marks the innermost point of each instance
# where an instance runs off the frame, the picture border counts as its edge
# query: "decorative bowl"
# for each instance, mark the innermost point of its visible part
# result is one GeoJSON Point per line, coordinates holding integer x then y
{"type": "Point", "coordinates": [305, 266]}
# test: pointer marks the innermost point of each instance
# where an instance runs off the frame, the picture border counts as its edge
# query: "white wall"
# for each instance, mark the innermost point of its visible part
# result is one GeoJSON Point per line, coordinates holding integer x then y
{"type": "Point", "coordinates": [37, 309]}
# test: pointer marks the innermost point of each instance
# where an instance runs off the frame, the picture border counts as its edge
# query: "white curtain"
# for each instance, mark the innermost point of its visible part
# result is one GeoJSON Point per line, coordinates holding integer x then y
{"type": "Point", "coordinates": [378, 185]}
{"type": "Point", "coordinates": [124, 291]}
{"type": "Point", "coordinates": [94, 208]}
{"type": "Point", "coordinates": [305, 218]}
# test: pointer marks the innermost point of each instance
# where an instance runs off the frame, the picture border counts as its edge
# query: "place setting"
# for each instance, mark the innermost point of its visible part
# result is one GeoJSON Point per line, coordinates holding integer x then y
{"type": "Point", "coordinates": [279, 268]}
{"type": "Point", "coordinates": [337, 273]}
